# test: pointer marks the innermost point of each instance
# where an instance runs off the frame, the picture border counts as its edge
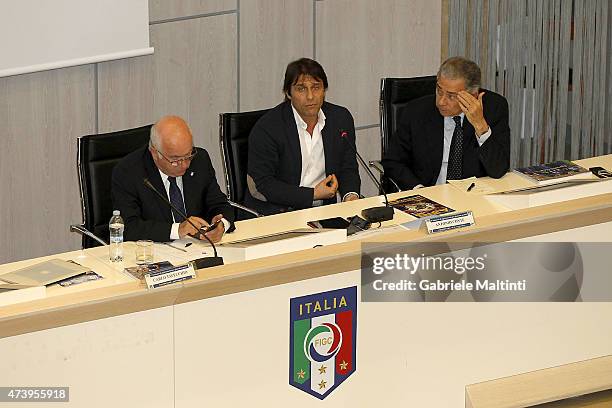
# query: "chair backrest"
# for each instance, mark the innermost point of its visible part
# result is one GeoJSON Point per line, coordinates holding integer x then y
{"type": "Point", "coordinates": [395, 94]}
{"type": "Point", "coordinates": [234, 130]}
{"type": "Point", "coordinates": [96, 158]}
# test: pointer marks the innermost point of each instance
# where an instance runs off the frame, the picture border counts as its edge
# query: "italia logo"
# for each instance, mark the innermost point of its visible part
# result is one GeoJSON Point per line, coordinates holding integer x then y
{"type": "Point", "coordinates": [323, 331]}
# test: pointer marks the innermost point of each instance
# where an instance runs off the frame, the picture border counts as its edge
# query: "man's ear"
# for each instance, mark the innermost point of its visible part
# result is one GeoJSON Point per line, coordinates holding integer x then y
{"type": "Point", "coordinates": [288, 95]}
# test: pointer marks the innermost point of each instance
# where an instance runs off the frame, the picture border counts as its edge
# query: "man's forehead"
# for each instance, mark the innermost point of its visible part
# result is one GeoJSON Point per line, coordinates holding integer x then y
{"type": "Point", "coordinates": [307, 79]}
{"type": "Point", "coordinates": [451, 85]}
{"type": "Point", "coordinates": [175, 136]}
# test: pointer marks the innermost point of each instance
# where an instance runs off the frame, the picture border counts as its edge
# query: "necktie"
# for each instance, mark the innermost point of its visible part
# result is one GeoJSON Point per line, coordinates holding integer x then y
{"type": "Point", "coordinates": [455, 156]}
{"type": "Point", "coordinates": [176, 198]}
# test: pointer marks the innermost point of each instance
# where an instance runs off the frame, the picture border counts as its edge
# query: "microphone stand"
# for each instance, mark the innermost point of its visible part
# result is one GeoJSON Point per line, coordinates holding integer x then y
{"type": "Point", "coordinates": [372, 214]}
{"type": "Point", "coordinates": [207, 262]}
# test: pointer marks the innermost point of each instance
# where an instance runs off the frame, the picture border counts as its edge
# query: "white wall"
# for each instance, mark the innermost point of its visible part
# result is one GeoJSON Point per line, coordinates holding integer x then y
{"type": "Point", "coordinates": [210, 57]}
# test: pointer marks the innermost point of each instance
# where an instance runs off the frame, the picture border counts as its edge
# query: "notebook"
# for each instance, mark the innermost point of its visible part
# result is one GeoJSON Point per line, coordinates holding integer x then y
{"type": "Point", "coordinates": [44, 273]}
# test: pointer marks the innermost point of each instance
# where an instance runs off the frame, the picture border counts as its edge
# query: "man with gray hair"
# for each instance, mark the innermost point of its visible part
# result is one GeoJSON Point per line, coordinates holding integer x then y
{"type": "Point", "coordinates": [434, 142]}
{"type": "Point", "coordinates": [180, 171]}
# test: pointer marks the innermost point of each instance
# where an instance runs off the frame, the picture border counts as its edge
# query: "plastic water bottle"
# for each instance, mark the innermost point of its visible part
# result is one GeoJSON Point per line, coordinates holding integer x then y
{"type": "Point", "coordinates": [116, 227]}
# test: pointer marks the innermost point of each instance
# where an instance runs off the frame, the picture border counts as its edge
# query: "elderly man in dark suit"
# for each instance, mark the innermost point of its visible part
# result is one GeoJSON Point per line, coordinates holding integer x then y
{"type": "Point", "coordinates": [179, 170]}
{"type": "Point", "coordinates": [302, 152]}
{"type": "Point", "coordinates": [460, 132]}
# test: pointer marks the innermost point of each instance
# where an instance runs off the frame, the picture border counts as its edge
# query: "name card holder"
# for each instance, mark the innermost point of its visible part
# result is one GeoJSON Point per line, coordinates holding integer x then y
{"type": "Point", "coordinates": [449, 221]}
{"type": "Point", "coordinates": [167, 276]}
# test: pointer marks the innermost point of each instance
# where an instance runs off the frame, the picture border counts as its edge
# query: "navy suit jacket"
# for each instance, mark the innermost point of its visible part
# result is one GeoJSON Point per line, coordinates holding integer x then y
{"type": "Point", "coordinates": [414, 155]}
{"type": "Point", "coordinates": [145, 215]}
{"type": "Point", "coordinates": [275, 158]}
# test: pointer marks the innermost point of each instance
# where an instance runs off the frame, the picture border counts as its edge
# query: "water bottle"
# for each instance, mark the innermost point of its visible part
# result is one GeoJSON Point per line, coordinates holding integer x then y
{"type": "Point", "coordinates": [116, 237]}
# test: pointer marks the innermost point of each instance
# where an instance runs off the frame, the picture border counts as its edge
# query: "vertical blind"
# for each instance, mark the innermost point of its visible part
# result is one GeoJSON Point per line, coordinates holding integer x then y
{"type": "Point", "coordinates": [552, 60]}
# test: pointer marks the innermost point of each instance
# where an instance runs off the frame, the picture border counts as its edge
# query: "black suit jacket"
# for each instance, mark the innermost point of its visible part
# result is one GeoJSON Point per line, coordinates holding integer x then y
{"type": "Point", "coordinates": [275, 158]}
{"type": "Point", "coordinates": [145, 215]}
{"type": "Point", "coordinates": [414, 154]}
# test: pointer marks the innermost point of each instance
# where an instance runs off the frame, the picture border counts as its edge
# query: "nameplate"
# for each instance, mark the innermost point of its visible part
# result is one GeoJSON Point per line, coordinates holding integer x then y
{"type": "Point", "coordinates": [449, 221]}
{"type": "Point", "coordinates": [168, 276]}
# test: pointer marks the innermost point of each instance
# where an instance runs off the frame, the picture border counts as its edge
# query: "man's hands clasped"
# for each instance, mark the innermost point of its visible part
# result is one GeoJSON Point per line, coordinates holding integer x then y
{"type": "Point", "coordinates": [327, 188]}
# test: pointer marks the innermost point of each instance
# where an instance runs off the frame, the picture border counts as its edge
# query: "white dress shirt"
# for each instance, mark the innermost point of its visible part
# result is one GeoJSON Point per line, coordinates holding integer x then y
{"type": "Point", "coordinates": [449, 129]}
{"type": "Point", "coordinates": [174, 230]}
{"type": "Point", "coordinates": [313, 154]}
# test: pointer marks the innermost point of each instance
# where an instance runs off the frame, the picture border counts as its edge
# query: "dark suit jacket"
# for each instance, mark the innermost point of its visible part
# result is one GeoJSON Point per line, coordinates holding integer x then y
{"type": "Point", "coordinates": [145, 215]}
{"type": "Point", "coordinates": [275, 159]}
{"type": "Point", "coordinates": [414, 154]}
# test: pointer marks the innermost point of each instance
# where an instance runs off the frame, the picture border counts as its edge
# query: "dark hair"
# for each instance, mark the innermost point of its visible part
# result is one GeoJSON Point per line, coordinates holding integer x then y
{"type": "Point", "coordinates": [303, 66]}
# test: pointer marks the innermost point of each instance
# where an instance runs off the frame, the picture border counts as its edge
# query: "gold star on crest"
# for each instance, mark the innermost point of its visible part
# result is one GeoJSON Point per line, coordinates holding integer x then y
{"type": "Point", "coordinates": [301, 374]}
{"type": "Point", "coordinates": [322, 369]}
{"type": "Point", "coordinates": [322, 384]}
{"type": "Point", "coordinates": [343, 365]}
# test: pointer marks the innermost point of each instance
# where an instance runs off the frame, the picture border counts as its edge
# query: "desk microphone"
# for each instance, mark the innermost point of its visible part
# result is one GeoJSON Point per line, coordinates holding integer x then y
{"type": "Point", "coordinates": [202, 262]}
{"type": "Point", "coordinates": [373, 214]}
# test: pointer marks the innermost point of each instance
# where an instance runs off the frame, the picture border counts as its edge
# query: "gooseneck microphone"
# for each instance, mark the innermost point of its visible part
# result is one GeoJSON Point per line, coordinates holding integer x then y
{"type": "Point", "coordinates": [203, 262]}
{"type": "Point", "coordinates": [373, 214]}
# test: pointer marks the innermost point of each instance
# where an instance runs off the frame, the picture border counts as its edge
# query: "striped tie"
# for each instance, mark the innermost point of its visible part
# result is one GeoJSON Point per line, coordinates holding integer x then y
{"type": "Point", "coordinates": [176, 198]}
{"type": "Point", "coordinates": [455, 156]}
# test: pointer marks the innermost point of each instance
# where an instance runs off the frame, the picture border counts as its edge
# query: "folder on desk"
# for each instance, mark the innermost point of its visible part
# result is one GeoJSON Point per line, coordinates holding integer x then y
{"type": "Point", "coordinates": [44, 273]}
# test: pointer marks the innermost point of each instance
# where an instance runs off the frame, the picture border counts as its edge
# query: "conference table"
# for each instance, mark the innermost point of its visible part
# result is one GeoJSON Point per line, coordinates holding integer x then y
{"type": "Point", "coordinates": [223, 338]}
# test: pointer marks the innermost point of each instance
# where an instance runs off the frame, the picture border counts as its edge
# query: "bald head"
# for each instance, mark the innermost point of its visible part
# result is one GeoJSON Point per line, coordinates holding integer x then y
{"type": "Point", "coordinates": [172, 139]}
{"type": "Point", "coordinates": [170, 131]}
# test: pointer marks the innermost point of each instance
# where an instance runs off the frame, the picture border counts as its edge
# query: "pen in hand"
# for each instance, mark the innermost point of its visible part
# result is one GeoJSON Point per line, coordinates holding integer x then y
{"type": "Point", "coordinates": [471, 186]}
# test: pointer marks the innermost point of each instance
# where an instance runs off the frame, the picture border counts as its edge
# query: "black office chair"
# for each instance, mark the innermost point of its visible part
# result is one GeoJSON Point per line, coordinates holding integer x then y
{"type": "Point", "coordinates": [234, 130]}
{"type": "Point", "coordinates": [96, 157]}
{"type": "Point", "coordinates": [395, 94]}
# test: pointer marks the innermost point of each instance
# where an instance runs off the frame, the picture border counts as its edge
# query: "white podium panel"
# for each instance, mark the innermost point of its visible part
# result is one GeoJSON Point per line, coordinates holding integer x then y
{"type": "Point", "coordinates": [234, 350]}
{"type": "Point", "coordinates": [122, 361]}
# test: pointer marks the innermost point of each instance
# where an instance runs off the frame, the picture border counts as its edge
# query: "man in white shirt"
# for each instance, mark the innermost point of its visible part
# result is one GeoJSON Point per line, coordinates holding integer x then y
{"type": "Point", "coordinates": [302, 152]}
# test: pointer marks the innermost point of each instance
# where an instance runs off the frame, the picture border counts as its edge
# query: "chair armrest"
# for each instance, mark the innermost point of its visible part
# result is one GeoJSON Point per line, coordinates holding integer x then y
{"type": "Point", "coordinates": [80, 228]}
{"type": "Point", "coordinates": [377, 165]}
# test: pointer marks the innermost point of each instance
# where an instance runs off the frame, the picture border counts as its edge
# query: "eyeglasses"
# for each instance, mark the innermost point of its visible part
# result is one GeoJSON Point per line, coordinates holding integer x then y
{"type": "Point", "coordinates": [441, 92]}
{"type": "Point", "coordinates": [178, 161]}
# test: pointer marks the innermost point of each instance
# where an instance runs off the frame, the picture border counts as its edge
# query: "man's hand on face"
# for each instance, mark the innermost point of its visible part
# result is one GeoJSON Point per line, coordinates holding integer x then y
{"type": "Point", "coordinates": [472, 107]}
{"type": "Point", "coordinates": [327, 188]}
{"type": "Point", "coordinates": [185, 228]}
